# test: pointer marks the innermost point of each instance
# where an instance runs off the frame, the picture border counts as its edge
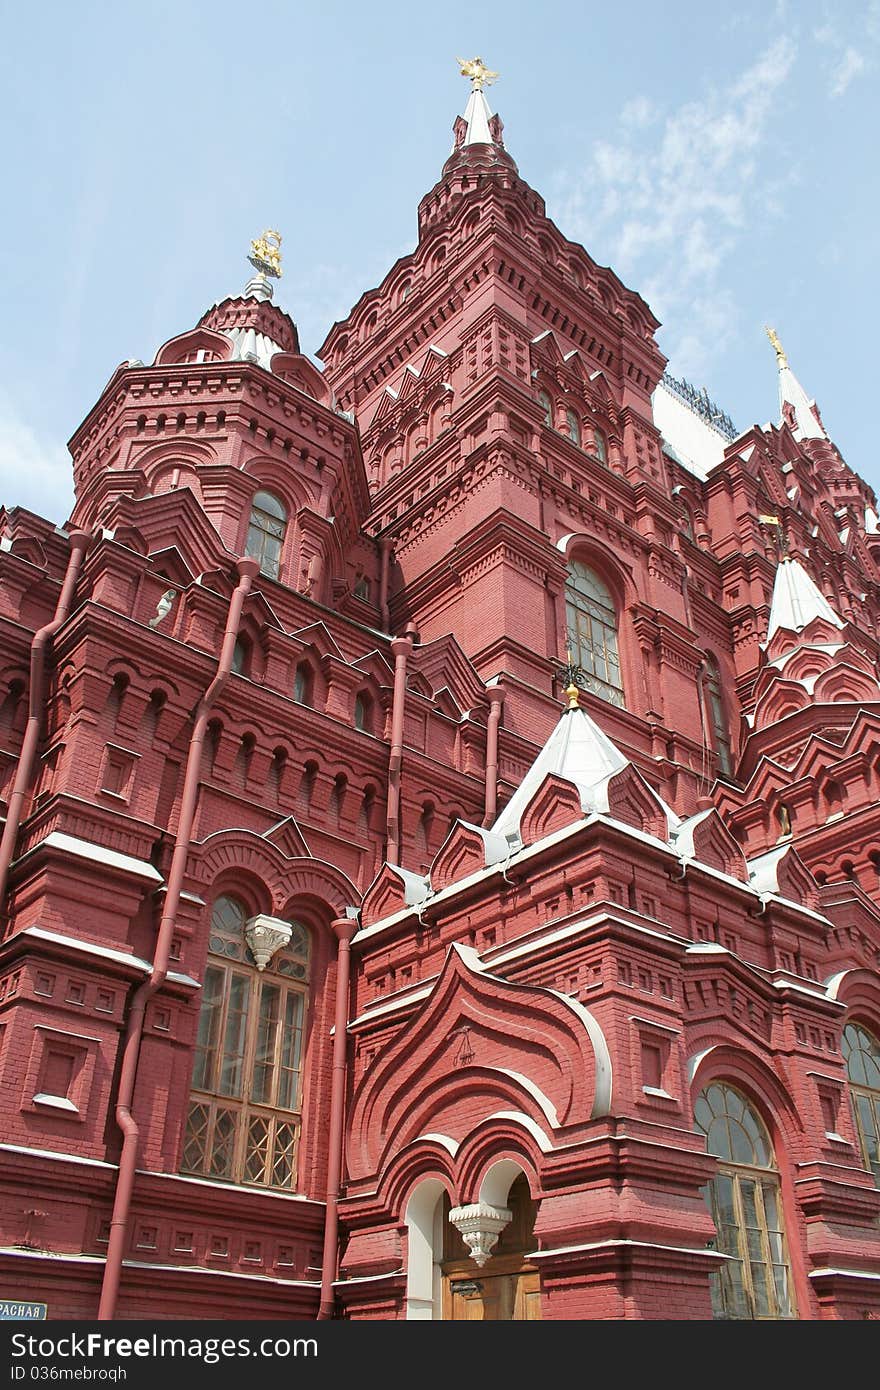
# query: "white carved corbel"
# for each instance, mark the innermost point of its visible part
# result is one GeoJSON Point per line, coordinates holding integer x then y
{"type": "Point", "coordinates": [479, 1226]}
{"type": "Point", "coordinates": [266, 935]}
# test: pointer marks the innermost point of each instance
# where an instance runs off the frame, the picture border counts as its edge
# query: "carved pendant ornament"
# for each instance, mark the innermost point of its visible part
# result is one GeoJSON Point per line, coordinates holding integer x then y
{"type": "Point", "coordinates": [479, 1226]}
{"type": "Point", "coordinates": [264, 936]}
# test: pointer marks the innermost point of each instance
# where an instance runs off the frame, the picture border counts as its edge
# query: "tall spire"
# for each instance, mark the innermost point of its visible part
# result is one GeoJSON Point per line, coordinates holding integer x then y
{"type": "Point", "coordinates": [478, 113]}
{"type": "Point", "coordinates": [795, 407]}
{"type": "Point", "coordinates": [797, 600]}
{"type": "Point", "coordinates": [478, 133]}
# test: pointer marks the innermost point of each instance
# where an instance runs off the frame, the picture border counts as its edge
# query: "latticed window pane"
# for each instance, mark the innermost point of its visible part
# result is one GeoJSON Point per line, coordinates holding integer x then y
{"type": "Point", "coordinates": [249, 1052]}
{"type": "Point", "coordinates": [592, 632]}
{"type": "Point", "coordinates": [284, 1161]}
{"type": "Point", "coordinates": [222, 1144]}
{"type": "Point", "coordinates": [266, 532]}
{"type": "Point", "coordinates": [257, 1150]}
{"type": "Point", "coordinates": [743, 1197]}
{"type": "Point", "coordinates": [862, 1053]}
{"type": "Point", "coordinates": [195, 1145]}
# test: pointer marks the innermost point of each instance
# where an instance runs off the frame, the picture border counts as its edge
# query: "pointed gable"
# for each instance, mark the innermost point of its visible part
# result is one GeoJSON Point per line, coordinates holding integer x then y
{"type": "Point", "coordinates": [392, 890]}
{"type": "Point", "coordinates": [555, 804]}
{"type": "Point", "coordinates": [626, 797]}
{"type": "Point", "coordinates": [705, 839]}
{"type": "Point", "coordinates": [289, 839]}
{"type": "Point", "coordinates": [466, 850]}
{"type": "Point", "coordinates": [782, 873]}
{"type": "Point", "coordinates": [321, 640]}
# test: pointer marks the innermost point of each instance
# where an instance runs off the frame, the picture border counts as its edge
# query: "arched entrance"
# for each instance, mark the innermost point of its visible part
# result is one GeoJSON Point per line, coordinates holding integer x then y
{"type": "Point", "coordinates": [506, 1287]}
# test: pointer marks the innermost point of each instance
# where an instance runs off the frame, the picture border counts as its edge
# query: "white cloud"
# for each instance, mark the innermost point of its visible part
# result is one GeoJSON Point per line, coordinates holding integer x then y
{"type": "Point", "coordinates": [850, 65]}
{"type": "Point", "coordinates": [671, 196]}
{"type": "Point", "coordinates": [34, 473]}
{"type": "Point", "coordinates": [847, 58]}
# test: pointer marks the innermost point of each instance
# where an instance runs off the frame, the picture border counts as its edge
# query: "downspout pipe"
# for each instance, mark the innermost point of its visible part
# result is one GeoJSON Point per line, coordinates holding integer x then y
{"type": "Point", "coordinates": [401, 649]}
{"type": "Point", "coordinates": [385, 559]}
{"type": "Point", "coordinates": [248, 569]}
{"type": "Point", "coordinates": [496, 698]}
{"type": "Point", "coordinates": [344, 929]}
{"type": "Point", "coordinates": [79, 542]}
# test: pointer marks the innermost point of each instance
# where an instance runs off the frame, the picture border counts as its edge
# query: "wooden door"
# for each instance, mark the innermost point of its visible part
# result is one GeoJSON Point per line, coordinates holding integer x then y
{"type": "Point", "coordinates": [507, 1288]}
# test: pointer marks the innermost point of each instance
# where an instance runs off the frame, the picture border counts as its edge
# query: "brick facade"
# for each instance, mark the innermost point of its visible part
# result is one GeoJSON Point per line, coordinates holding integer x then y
{"type": "Point", "coordinates": [548, 1003]}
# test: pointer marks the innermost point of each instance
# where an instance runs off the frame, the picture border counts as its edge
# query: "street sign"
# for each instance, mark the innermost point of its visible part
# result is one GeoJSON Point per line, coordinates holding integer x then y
{"type": "Point", "coordinates": [14, 1310]}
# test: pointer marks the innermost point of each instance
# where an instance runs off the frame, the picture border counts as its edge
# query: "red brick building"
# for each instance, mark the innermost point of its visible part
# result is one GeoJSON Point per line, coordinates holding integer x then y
{"type": "Point", "coordinates": [364, 954]}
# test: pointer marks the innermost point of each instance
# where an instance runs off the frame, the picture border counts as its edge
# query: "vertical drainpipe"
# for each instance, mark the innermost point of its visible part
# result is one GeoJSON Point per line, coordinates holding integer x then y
{"type": "Point", "coordinates": [79, 541]}
{"type": "Point", "coordinates": [344, 929]}
{"type": "Point", "coordinates": [248, 569]}
{"type": "Point", "coordinates": [496, 698]}
{"type": "Point", "coordinates": [401, 648]}
{"type": "Point", "coordinates": [385, 557]}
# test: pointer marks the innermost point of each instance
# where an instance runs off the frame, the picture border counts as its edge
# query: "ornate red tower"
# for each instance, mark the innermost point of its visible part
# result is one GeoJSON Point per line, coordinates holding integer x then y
{"type": "Point", "coordinates": [440, 860]}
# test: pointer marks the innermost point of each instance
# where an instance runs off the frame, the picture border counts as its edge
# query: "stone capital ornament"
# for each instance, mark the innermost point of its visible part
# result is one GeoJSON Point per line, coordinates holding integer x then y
{"type": "Point", "coordinates": [264, 936]}
{"type": "Point", "coordinates": [479, 1226]}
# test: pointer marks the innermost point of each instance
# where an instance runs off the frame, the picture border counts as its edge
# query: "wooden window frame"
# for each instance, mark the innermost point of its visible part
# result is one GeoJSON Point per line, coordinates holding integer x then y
{"type": "Point", "coordinates": [246, 1093]}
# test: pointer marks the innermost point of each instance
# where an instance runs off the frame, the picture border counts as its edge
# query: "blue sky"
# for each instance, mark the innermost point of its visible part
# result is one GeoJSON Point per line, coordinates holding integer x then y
{"type": "Point", "coordinates": [722, 159]}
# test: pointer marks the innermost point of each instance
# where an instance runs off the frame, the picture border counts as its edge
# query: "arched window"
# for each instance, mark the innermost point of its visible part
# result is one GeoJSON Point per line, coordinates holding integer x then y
{"type": "Point", "coordinates": [243, 1122]}
{"type": "Point", "coordinates": [303, 684]}
{"type": "Point", "coordinates": [574, 427]}
{"type": "Point", "coordinates": [600, 446]}
{"type": "Point", "coordinates": [862, 1054]}
{"type": "Point", "coordinates": [715, 700]}
{"type": "Point", "coordinates": [265, 535]}
{"type": "Point", "coordinates": [833, 800]}
{"type": "Point", "coordinates": [337, 796]}
{"type": "Point", "coordinates": [547, 407]}
{"type": "Point", "coordinates": [746, 1206]}
{"type": "Point", "coordinates": [363, 713]}
{"type": "Point", "coordinates": [241, 656]}
{"type": "Point", "coordinates": [592, 632]}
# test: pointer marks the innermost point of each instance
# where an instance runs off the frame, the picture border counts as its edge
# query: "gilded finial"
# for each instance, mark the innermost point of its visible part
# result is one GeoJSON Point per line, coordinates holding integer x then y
{"type": "Point", "coordinates": [266, 254]}
{"type": "Point", "coordinates": [781, 358]}
{"type": "Point", "coordinates": [476, 70]}
{"type": "Point", "coordinates": [570, 673]}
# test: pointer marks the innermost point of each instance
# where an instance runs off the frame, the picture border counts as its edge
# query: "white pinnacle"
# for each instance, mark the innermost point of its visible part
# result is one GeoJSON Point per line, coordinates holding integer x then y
{"type": "Point", "coordinates": [802, 410]}
{"type": "Point", "coordinates": [797, 600]}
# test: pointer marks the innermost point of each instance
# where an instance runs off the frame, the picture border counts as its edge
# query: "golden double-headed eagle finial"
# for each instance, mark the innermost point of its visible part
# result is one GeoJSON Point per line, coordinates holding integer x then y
{"type": "Point", "coordinates": [266, 253]}
{"type": "Point", "coordinates": [476, 70]}
{"type": "Point", "coordinates": [777, 346]}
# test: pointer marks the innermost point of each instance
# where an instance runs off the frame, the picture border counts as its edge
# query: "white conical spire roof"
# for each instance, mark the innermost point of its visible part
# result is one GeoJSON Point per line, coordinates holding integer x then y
{"type": "Point", "coordinates": [477, 114]}
{"type": "Point", "coordinates": [801, 415]}
{"type": "Point", "coordinates": [797, 600]}
{"type": "Point", "coordinates": [577, 750]}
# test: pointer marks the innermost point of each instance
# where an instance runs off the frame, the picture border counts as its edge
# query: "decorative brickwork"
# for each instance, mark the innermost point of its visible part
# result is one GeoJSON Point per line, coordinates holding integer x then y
{"type": "Point", "coordinates": [611, 914]}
